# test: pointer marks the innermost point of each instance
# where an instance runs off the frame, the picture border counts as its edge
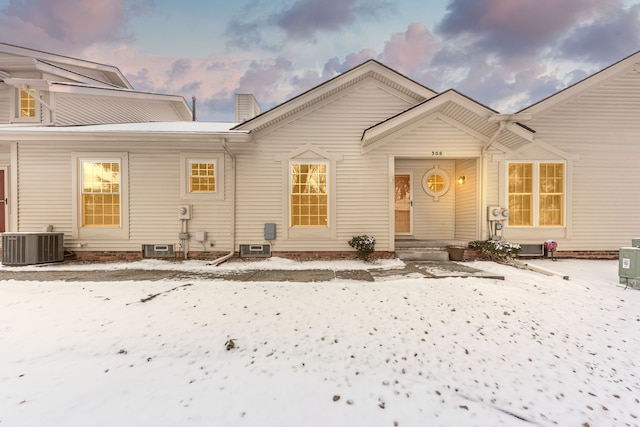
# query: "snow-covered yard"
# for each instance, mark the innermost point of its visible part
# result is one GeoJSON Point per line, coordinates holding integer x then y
{"type": "Point", "coordinates": [532, 349]}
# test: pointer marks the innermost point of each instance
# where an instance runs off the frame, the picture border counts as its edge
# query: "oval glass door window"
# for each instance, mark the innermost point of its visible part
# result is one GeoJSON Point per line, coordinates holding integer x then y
{"type": "Point", "coordinates": [435, 183]}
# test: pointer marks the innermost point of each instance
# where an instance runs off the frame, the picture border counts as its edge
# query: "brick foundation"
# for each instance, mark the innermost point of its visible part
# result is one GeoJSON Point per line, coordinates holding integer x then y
{"type": "Point", "coordinates": [329, 255]}
{"type": "Point", "coordinates": [469, 255]}
{"type": "Point", "coordinates": [112, 256]}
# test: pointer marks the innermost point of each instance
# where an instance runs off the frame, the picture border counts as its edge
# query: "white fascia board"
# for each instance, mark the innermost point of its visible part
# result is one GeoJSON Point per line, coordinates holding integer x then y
{"type": "Point", "coordinates": [333, 84]}
{"type": "Point", "coordinates": [38, 54]}
{"type": "Point", "coordinates": [71, 75]}
{"type": "Point", "coordinates": [19, 82]}
{"type": "Point", "coordinates": [631, 62]}
{"type": "Point", "coordinates": [423, 110]}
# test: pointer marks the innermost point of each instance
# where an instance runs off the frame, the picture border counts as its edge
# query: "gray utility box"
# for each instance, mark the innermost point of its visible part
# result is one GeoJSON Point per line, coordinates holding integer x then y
{"type": "Point", "coordinates": [32, 248]}
{"type": "Point", "coordinates": [629, 267]}
{"type": "Point", "coordinates": [635, 242]}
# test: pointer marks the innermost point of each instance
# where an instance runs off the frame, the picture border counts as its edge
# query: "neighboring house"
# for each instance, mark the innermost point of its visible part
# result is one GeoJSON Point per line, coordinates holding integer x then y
{"type": "Point", "coordinates": [368, 152]}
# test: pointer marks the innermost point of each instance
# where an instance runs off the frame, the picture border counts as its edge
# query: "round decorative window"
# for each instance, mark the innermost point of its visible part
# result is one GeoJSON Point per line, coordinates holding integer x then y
{"type": "Point", "coordinates": [435, 183]}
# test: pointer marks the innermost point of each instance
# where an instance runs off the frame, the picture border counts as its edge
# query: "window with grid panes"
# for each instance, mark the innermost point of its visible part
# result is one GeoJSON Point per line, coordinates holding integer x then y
{"type": "Point", "coordinates": [308, 197]}
{"type": "Point", "coordinates": [551, 194]}
{"type": "Point", "coordinates": [27, 104]}
{"type": "Point", "coordinates": [100, 193]}
{"type": "Point", "coordinates": [536, 188]}
{"type": "Point", "coordinates": [202, 177]}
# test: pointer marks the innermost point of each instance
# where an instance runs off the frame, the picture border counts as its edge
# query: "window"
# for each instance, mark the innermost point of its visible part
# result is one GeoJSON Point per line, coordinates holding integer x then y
{"type": "Point", "coordinates": [309, 204]}
{"type": "Point", "coordinates": [536, 194]}
{"type": "Point", "coordinates": [100, 193]}
{"type": "Point", "coordinates": [202, 177]}
{"type": "Point", "coordinates": [435, 182]}
{"type": "Point", "coordinates": [551, 193]}
{"type": "Point", "coordinates": [100, 201]}
{"type": "Point", "coordinates": [27, 104]}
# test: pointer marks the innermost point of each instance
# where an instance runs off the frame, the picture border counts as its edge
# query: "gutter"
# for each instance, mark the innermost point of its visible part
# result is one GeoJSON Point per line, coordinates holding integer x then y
{"type": "Point", "coordinates": [224, 258]}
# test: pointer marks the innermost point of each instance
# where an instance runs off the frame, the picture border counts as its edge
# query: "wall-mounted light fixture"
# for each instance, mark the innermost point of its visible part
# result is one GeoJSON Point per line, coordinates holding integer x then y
{"type": "Point", "coordinates": [462, 179]}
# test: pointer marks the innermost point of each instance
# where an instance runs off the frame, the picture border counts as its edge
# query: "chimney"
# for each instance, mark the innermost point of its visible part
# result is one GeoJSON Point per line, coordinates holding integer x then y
{"type": "Point", "coordinates": [246, 107]}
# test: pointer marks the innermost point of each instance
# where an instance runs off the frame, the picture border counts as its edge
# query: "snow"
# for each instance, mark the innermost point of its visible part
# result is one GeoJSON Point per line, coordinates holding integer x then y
{"type": "Point", "coordinates": [404, 351]}
{"type": "Point", "coordinates": [144, 127]}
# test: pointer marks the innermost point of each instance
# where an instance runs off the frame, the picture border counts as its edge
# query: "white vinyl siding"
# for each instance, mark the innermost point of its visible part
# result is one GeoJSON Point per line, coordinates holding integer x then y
{"type": "Point", "coordinates": [601, 126]}
{"type": "Point", "coordinates": [362, 183]}
{"type": "Point", "coordinates": [46, 187]}
{"type": "Point", "coordinates": [467, 209]}
{"type": "Point", "coordinates": [5, 107]}
{"type": "Point", "coordinates": [74, 109]}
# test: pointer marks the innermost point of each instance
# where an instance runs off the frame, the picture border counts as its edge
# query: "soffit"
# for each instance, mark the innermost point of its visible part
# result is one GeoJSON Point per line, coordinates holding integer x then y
{"type": "Point", "coordinates": [456, 110]}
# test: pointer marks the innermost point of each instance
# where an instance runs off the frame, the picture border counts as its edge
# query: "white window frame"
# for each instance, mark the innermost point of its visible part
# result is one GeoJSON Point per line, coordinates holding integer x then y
{"type": "Point", "coordinates": [79, 231]}
{"type": "Point", "coordinates": [536, 194]}
{"type": "Point", "coordinates": [15, 107]}
{"type": "Point", "coordinates": [328, 186]}
{"type": "Point", "coordinates": [186, 159]}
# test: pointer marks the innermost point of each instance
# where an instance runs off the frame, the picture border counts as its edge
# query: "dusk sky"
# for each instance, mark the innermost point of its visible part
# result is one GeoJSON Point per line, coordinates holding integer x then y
{"type": "Point", "coordinates": [505, 54]}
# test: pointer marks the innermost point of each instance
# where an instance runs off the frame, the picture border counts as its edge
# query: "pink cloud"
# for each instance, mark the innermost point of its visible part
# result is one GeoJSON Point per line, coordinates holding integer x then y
{"type": "Point", "coordinates": [410, 51]}
{"type": "Point", "coordinates": [67, 25]}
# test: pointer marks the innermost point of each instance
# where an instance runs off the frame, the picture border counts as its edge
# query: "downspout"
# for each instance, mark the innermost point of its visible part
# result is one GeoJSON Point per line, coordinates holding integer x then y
{"type": "Point", "coordinates": [231, 253]}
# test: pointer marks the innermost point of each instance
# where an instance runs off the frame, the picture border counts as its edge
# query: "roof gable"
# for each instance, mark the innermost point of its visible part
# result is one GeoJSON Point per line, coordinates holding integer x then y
{"type": "Point", "coordinates": [370, 69]}
{"type": "Point", "coordinates": [630, 63]}
{"type": "Point", "coordinates": [75, 69]}
{"type": "Point", "coordinates": [473, 118]}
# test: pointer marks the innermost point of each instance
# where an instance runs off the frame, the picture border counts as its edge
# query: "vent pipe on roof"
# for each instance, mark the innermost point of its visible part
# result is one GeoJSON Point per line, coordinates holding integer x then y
{"type": "Point", "coordinates": [193, 107]}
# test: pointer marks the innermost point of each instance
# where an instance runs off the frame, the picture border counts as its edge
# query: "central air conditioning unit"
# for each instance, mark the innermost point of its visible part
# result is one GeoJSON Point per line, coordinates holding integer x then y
{"type": "Point", "coordinates": [255, 251]}
{"type": "Point", "coordinates": [158, 251]}
{"type": "Point", "coordinates": [32, 248]}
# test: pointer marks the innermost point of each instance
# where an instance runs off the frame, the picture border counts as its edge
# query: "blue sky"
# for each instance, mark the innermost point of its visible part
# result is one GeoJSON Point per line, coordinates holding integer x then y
{"type": "Point", "coordinates": [506, 54]}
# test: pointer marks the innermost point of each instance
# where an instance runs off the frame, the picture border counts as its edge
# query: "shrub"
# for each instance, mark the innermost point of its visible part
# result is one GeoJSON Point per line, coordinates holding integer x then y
{"type": "Point", "coordinates": [496, 249]}
{"type": "Point", "coordinates": [364, 245]}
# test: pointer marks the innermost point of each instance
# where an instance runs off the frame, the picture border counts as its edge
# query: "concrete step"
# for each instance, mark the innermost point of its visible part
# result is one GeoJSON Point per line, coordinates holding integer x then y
{"type": "Point", "coordinates": [420, 254]}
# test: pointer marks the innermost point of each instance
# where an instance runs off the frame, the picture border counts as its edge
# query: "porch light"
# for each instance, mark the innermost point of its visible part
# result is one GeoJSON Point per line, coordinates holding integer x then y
{"type": "Point", "coordinates": [462, 179]}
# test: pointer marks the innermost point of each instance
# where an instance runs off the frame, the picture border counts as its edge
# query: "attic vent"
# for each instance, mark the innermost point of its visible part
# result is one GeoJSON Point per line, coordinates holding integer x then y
{"type": "Point", "coordinates": [158, 251]}
{"type": "Point", "coordinates": [256, 251]}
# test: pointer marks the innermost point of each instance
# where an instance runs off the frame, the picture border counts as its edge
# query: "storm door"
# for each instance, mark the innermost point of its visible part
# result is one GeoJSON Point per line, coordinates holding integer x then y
{"type": "Point", "coordinates": [3, 202]}
{"type": "Point", "coordinates": [403, 204]}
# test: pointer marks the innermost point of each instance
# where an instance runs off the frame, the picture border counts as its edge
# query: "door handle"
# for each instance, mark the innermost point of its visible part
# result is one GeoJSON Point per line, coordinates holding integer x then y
{"type": "Point", "coordinates": [5, 201]}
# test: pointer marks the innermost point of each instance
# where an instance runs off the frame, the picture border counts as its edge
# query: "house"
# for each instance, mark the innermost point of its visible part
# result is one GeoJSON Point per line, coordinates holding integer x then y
{"type": "Point", "coordinates": [123, 173]}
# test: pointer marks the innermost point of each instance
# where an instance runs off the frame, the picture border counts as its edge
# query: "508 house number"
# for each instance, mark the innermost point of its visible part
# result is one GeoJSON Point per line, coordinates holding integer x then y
{"type": "Point", "coordinates": [436, 153]}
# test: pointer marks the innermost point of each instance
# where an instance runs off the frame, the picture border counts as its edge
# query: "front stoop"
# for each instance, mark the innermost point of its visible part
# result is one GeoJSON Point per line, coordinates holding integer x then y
{"type": "Point", "coordinates": [422, 254]}
{"type": "Point", "coordinates": [420, 250]}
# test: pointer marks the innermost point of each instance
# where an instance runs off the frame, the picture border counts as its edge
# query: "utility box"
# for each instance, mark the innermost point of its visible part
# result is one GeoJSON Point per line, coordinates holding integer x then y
{"type": "Point", "coordinates": [629, 267]}
{"type": "Point", "coordinates": [635, 242]}
{"type": "Point", "coordinates": [269, 231]}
